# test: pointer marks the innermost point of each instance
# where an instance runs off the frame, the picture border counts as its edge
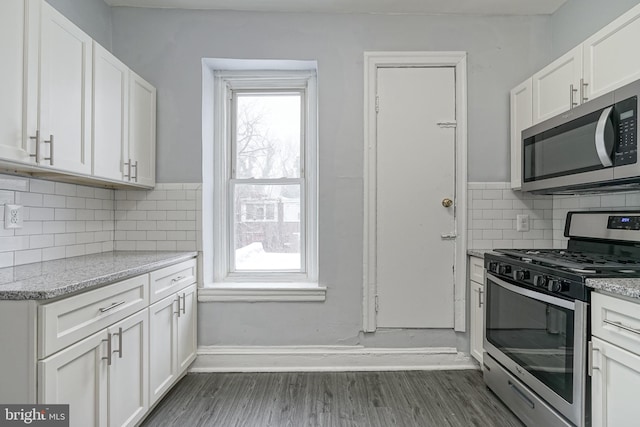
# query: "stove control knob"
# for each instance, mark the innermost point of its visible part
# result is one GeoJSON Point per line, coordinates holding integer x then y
{"type": "Point", "coordinates": [554, 285]}
{"type": "Point", "coordinates": [521, 275]}
{"type": "Point", "coordinates": [539, 280]}
{"type": "Point", "coordinates": [505, 269]}
{"type": "Point", "coordinates": [493, 267]}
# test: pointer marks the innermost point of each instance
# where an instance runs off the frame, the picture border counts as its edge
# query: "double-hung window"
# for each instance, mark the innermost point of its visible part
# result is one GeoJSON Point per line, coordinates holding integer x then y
{"type": "Point", "coordinates": [265, 177]}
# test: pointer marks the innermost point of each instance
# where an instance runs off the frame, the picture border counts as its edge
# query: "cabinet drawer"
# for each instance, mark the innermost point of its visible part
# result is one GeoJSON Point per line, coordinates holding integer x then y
{"type": "Point", "coordinates": [170, 279]}
{"type": "Point", "coordinates": [67, 321]}
{"type": "Point", "coordinates": [616, 320]}
{"type": "Point", "coordinates": [476, 269]}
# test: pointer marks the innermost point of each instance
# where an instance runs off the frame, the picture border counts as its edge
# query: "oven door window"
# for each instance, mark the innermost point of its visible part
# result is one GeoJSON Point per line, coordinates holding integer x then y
{"type": "Point", "coordinates": [537, 335]}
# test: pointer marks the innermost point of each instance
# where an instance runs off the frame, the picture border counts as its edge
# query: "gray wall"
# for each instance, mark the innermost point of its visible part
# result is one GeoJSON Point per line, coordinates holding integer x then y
{"type": "Point", "coordinates": [92, 16]}
{"type": "Point", "coordinates": [578, 19]}
{"type": "Point", "coordinates": [166, 47]}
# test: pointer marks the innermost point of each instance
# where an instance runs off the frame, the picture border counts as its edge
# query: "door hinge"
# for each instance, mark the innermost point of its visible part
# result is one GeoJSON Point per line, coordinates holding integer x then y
{"type": "Point", "coordinates": [377, 303]}
{"type": "Point", "coordinates": [449, 236]}
{"type": "Point", "coordinates": [377, 104]}
{"type": "Point", "coordinates": [448, 124]}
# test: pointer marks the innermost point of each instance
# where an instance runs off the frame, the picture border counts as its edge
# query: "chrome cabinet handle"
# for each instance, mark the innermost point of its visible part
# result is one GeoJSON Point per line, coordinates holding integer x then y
{"type": "Point", "coordinates": [108, 356]}
{"type": "Point", "coordinates": [622, 326]}
{"type": "Point", "coordinates": [177, 279]}
{"type": "Point", "coordinates": [50, 142]}
{"type": "Point", "coordinates": [184, 303]}
{"type": "Point", "coordinates": [583, 91]}
{"type": "Point", "coordinates": [601, 149]}
{"type": "Point", "coordinates": [112, 306]}
{"type": "Point", "coordinates": [128, 174]}
{"type": "Point", "coordinates": [480, 302]}
{"type": "Point", "coordinates": [135, 178]}
{"type": "Point", "coordinates": [590, 350]}
{"type": "Point", "coordinates": [178, 312]}
{"type": "Point", "coordinates": [572, 103]}
{"type": "Point", "coordinates": [119, 350]}
{"type": "Point", "coordinates": [37, 138]}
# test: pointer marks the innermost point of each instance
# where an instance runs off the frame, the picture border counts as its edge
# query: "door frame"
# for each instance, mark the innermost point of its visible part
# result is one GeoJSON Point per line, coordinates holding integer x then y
{"type": "Point", "coordinates": [373, 61]}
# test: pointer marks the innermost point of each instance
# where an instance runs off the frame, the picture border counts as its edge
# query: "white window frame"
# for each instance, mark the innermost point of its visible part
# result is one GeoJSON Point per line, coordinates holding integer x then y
{"type": "Point", "coordinates": [224, 277]}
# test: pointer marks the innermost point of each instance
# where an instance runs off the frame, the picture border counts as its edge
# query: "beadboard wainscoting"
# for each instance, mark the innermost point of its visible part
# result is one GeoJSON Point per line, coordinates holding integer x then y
{"type": "Point", "coordinates": [493, 208]}
{"type": "Point", "coordinates": [327, 358]}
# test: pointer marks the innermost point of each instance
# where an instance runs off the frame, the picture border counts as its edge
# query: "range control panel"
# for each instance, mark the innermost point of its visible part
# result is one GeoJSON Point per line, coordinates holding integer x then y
{"type": "Point", "coordinates": [623, 222]}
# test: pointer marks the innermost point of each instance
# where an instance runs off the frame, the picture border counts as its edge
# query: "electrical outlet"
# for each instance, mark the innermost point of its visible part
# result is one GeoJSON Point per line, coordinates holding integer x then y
{"type": "Point", "coordinates": [522, 222]}
{"type": "Point", "coordinates": [12, 216]}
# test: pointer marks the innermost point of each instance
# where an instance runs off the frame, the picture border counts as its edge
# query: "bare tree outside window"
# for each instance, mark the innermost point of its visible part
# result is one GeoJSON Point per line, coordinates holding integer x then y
{"type": "Point", "coordinates": [267, 180]}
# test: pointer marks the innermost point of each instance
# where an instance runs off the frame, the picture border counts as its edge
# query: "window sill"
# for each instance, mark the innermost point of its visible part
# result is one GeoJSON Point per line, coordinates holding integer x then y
{"type": "Point", "coordinates": [262, 292]}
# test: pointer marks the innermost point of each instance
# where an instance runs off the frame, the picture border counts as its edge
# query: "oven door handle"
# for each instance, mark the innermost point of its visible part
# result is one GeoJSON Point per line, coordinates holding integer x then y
{"type": "Point", "coordinates": [539, 296]}
{"type": "Point", "coordinates": [601, 148]}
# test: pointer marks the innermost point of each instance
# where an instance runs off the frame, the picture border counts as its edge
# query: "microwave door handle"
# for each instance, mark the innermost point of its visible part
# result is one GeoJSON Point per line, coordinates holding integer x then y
{"type": "Point", "coordinates": [600, 145]}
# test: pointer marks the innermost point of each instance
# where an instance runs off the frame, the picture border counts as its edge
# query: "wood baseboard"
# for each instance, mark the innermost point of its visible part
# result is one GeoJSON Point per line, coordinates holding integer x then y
{"type": "Point", "coordinates": [327, 358]}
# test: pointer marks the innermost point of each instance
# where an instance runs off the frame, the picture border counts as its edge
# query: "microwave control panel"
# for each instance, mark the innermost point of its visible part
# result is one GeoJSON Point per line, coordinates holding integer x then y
{"type": "Point", "coordinates": [626, 152]}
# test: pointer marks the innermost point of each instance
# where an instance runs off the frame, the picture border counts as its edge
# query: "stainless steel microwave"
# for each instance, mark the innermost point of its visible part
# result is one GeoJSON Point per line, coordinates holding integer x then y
{"type": "Point", "coordinates": [592, 147]}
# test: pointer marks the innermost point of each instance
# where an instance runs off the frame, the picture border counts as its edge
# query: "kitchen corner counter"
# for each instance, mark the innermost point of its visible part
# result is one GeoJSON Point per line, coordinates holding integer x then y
{"type": "Point", "coordinates": [479, 253]}
{"type": "Point", "coordinates": [629, 288]}
{"type": "Point", "coordinates": [53, 279]}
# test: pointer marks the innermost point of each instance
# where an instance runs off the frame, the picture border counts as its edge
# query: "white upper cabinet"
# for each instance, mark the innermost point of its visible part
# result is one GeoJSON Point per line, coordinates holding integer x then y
{"type": "Point", "coordinates": [14, 145]}
{"type": "Point", "coordinates": [556, 88]}
{"type": "Point", "coordinates": [521, 118]}
{"type": "Point", "coordinates": [110, 114]}
{"type": "Point", "coordinates": [610, 59]}
{"type": "Point", "coordinates": [64, 104]}
{"type": "Point", "coordinates": [141, 159]}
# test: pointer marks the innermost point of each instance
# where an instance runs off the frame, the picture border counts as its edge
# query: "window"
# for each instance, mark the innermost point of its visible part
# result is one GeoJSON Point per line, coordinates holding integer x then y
{"type": "Point", "coordinates": [265, 183]}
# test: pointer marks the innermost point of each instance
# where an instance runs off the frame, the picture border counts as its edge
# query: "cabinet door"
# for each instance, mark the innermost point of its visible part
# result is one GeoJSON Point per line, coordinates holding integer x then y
{"type": "Point", "coordinates": [110, 114]}
{"type": "Point", "coordinates": [142, 130]}
{"type": "Point", "coordinates": [615, 381]}
{"type": "Point", "coordinates": [556, 88]}
{"type": "Point", "coordinates": [521, 118]}
{"type": "Point", "coordinates": [609, 55]}
{"type": "Point", "coordinates": [163, 345]}
{"type": "Point", "coordinates": [477, 320]}
{"type": "Point", "coordinates": [128, 373]}
{"type": "Point", "coordinates": [187, 345]}
{"type": "Point", "coordinates": [13, 22]}
{"type": "Point", "coordinates": [77, 376]}
{"type": "Point", "coordinates": [65, 93]}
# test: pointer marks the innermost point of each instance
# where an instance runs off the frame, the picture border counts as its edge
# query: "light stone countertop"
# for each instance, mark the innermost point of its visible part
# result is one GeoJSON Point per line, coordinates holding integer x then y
{"type": "Point", "coordinates": [477, 252]}
{"type": "Point", "coordinates": [624, 287]}
{"type": "Point", "coordinates": [52, 279]}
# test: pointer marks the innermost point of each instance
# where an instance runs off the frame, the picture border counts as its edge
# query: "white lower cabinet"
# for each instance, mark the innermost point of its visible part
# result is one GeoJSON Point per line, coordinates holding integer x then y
{"type": "Point", "coordinates": [476, 303]}
{"type": "Point", "coordinates": [103, 378]}
{"type": "Point", "coordinates": [172, 339]}
{"type": "Point", "coordinates": [614, 383]}
{"type": "Point", "coordinates": [615, 361]}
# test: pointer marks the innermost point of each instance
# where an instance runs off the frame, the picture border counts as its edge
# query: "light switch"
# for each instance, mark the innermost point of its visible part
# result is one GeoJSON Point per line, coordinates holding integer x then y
{"type": "Point", "coordinates": [522, 222]}
{"type": "Point", "coordinates": [12, 216]}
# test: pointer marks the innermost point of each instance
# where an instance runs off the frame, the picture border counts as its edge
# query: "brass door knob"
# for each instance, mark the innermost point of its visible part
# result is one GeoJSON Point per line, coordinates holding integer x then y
{"type": "Point", "coordinates": [447, 203]}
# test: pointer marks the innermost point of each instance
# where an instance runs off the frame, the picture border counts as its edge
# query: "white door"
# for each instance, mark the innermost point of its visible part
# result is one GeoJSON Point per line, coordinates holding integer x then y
{"type": "Point", "coordinates": [615, 382]}
{"type": "Point", "coordinates": [162, 346]}
{"type": "Point", "coordinates": [77, 376]}
{"type": "Point", "coordinates": [142, 130]}
{"type": "Point", "coordinates": [65, 90]}
{"type": "Point", "coordinates": [110, 114]}
{"type": "Point", "coordinates": [128, 373]}
{"type": "Point", "coordinates": [415, 172]}
{"type": "Point", "coordinates": [12, 73]}
{"type": "Point", "coordinates": [187, 327]}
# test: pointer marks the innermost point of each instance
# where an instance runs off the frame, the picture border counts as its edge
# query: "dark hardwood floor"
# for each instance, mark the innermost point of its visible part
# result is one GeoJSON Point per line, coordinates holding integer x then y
{"type": "Point", "coordinates": [380, 399]}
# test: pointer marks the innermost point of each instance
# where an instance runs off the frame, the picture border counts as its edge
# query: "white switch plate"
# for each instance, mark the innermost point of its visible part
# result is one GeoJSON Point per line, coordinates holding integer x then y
{"type": "Point", "coordinates": [12, 216]}
{"type": "Point", "coordinates": [522, 222]}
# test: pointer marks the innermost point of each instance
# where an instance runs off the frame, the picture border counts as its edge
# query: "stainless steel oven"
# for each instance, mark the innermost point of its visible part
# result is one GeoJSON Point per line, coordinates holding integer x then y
{"type": "Point", "coordinates": [540, 339]}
